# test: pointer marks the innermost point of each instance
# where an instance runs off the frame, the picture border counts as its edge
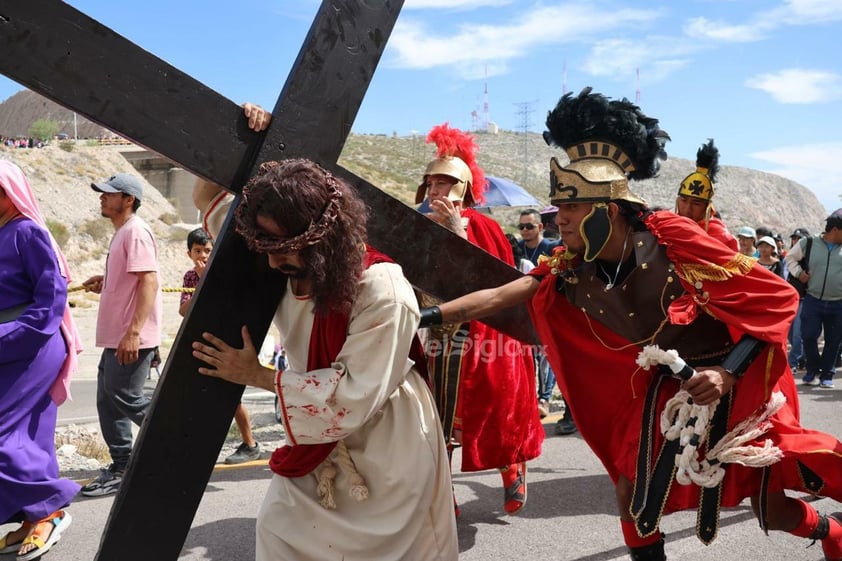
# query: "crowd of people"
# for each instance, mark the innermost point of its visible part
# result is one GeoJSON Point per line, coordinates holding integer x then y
{"type": "Point", "coordinates": [378, 382]}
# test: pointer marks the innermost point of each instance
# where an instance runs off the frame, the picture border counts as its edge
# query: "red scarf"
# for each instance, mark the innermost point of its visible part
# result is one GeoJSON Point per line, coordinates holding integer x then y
{"type": "Point", "coordinates": [326, 340]}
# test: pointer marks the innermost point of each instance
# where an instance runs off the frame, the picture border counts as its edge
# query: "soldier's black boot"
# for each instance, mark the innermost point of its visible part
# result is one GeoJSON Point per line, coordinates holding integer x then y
{"type": "Point", "coordinates": [651, 552]}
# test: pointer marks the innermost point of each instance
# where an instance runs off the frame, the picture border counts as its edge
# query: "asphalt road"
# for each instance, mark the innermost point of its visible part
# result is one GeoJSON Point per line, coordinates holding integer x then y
{"type": "Point", "coordinates": [570, 513]}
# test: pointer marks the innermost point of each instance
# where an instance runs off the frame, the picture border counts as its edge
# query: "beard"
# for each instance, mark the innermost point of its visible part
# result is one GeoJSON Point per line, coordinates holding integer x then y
{"type": "Point", "coordinates": [293, 272]}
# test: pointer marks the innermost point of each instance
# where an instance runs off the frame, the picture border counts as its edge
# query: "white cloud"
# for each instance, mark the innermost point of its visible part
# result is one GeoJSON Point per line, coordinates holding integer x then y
{"type": "Point", "coordinates": [791, 12]}
{"type": "Point", "coordinates": [811, 11]}
{"type": "Point", "coordinates": [418, 45]}
{"type": "Point", "coordinates": [799, 85]}
{"type": "Point", "coordinates": [620, 57]}
{"type": "Point", "coordinates": [703, 28]}
{"type": "Point", "coordinates": [815, 166]}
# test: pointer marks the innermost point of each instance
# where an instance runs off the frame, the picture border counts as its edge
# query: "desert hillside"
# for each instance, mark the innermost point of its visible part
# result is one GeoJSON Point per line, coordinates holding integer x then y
{"type": "Point", "coordinates": [61, 181]}
{"type": "Point", "coordinates": [743, 196]}
{"type": "Point", "coordinates": [394, 163]}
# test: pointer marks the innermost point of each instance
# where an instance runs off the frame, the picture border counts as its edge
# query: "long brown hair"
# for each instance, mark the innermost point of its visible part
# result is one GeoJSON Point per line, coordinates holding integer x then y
{"type": "Point", "coordinates": [325, 222]}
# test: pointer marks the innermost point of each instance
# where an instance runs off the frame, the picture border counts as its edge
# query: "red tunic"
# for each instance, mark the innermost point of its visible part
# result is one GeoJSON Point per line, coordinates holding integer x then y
{"type": "Point", "coordinates": [497, 395]}
{"type": "Point", "coordinates": [597, 373]}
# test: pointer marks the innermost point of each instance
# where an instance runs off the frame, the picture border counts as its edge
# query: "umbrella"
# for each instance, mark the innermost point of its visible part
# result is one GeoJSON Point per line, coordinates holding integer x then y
{"type": "Point", "coordinates": [500, 192]}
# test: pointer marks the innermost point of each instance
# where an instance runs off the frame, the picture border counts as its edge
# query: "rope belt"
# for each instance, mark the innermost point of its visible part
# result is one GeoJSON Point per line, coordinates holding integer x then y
{"type": "Point", "coordinates": [686, 428]}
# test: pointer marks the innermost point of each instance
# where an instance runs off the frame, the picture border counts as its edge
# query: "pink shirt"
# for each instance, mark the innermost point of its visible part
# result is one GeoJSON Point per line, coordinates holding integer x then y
{"type": "Point", "coordinates": [132, 250]}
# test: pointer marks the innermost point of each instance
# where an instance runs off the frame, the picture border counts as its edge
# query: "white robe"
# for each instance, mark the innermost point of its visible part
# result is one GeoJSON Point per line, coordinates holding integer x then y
{"type": "Point", "coordinates": [374, 400]}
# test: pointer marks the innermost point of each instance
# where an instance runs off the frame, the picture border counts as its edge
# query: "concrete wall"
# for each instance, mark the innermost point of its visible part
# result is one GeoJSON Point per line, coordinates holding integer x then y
{"type": "Point", "coordinates": [173, 182]}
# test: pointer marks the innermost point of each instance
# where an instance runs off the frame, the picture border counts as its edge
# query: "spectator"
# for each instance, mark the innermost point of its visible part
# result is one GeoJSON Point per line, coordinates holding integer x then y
{"type": "Point", "coordinates": [199, 247]}
{"type": "Point", "coordinates": [822, 304]}
{"type": "Point", "coordinates": [128, 327]}
{"type": "Point", "coordinates": [356, 408]}
{"type": "Point", "coordinates": [767, 249]}
{"type": "Point", "coordinates": [533, 243]}
{"type": "Point", "coordinates": [780, 249]}
{"type": "Point", "coordinates": [796, 348]}
{"type": "Point", "coordinates": [522, 264]}
{"type": "Point", "coordinates": [38, 347]}
{"type": "Point", "coordinates": [534, 247]}
{"type": "Point", "coordinates": [746, 238]}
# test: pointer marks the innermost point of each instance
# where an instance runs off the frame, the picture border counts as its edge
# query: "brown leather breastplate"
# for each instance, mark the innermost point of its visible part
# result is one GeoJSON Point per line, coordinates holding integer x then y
{"type": "Point", "coordinates": [636, 308]}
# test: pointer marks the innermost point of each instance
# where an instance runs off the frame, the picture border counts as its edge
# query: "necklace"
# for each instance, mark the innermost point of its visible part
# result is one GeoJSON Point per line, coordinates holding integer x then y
{"type": "Point", "coordinates": [613, 281]}
{"type": "Point", "coordinates": [533, 253]}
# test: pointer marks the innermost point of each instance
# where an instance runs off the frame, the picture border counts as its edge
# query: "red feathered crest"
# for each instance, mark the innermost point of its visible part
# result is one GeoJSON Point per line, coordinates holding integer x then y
{"type": "Point", "coordinates": [452, 142]}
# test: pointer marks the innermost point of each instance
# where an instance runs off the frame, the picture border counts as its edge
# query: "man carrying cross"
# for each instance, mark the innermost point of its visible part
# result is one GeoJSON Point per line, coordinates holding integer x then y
{"type": "Point", "coordinates": [365, 473]}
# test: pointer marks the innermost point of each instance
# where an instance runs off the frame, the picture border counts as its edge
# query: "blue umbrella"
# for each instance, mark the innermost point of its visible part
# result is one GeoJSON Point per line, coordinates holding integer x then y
{"type": "Point", "coordinates": [500, 192]}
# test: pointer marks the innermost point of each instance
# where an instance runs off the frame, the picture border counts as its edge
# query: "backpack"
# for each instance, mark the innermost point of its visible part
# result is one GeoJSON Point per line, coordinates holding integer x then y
{"type": "Point", "coordinates": [804, 264]}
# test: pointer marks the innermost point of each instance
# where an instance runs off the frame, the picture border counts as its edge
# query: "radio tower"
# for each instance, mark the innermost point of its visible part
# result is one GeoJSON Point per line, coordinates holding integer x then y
{"type": "Point", "coordinates": [485, 119]}
{"type": "Point", "coordinates": [637, 91]}
{"type": "Point", "coordinates": [524, 112]}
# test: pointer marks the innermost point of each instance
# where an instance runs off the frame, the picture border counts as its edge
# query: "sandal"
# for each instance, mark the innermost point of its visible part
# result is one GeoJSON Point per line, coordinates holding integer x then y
{"type": "Point", "coordinates": [10, 543]}
{"type": "Point", "coordinates": [55, 524]}
{"type": "Point", "coordinates": [514, 496]}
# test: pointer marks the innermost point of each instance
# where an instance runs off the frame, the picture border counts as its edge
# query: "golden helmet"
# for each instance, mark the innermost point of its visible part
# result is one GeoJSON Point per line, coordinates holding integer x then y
{"type": "Point", "coordinates": [455, 157]}
{"type": "Point", "coordinates": [451, 166]}
{"type": "Point", "coordinates": [608, 142]}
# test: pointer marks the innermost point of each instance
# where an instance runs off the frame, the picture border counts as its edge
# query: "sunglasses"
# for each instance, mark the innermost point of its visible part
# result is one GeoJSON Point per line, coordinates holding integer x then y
{"type": "Point", "coordinates": [526, 226]}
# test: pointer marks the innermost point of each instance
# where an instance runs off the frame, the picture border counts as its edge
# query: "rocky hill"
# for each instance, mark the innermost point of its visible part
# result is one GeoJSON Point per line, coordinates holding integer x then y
{"type": "Point", "coordinates": [743, 196]}
{"type": "Point", "coordinates": [25, 107]}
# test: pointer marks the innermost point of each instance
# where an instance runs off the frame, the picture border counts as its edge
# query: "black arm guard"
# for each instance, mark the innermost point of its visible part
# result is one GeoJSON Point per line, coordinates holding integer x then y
{"type": "Point", "coordinates": [741, 356]}
{"type": "Point", "coordinates": [430, 316]}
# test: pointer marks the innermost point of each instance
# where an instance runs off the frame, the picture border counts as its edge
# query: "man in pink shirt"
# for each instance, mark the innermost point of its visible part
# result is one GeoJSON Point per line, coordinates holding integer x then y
{"type": "Point", "coordinates": [128, 325]}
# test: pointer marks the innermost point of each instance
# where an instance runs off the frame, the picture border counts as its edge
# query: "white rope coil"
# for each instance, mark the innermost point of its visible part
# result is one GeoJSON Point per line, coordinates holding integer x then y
{"type": "Point", "coordinates": [326, 476]}
{"type": "Point", "coordinates": [684, 420]}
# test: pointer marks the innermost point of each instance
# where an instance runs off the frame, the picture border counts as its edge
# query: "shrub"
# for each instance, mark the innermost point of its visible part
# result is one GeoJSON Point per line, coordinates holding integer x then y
{"type": "Point", "coordinates": [169, 218]}
{"type": "Point", "coordinates": [44, 129]}
{"type": "Point", "coordinates": [59, 232]}
{"type": "Point", "coordinates": [67, 145]}
{"type": "Point", "coordinates": [97, 228]}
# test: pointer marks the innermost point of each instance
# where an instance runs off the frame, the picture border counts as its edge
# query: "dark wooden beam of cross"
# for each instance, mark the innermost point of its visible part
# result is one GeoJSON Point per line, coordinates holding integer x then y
{"type": "Point", "coordinates": [66, 56]}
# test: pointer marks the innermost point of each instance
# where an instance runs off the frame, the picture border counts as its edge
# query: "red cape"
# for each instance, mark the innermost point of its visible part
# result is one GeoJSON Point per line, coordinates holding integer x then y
{"type": "Point", "coordinates": [718, 230]}
{"type": "Point", "coordinates": [596, 371]}
{"type": "Point", "coordinates": [498, 400]}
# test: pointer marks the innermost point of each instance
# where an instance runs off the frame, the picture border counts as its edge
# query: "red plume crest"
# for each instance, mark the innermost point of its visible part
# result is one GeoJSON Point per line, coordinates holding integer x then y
{"type": "Point", "coordinates": [452, 142]}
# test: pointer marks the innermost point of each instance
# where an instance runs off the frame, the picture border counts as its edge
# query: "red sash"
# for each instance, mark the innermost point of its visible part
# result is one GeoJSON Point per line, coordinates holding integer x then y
{"type": "Point", "coordinates": [326, 340]}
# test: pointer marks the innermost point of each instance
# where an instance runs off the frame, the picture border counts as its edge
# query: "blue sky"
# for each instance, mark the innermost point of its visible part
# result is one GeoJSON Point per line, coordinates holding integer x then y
{"type": "Point", "coordinates": [763, 78]}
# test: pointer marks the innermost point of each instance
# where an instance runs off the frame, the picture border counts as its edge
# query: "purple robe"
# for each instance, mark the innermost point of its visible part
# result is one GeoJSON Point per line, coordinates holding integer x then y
{"type": "Point", "coordinates": [32, 351]}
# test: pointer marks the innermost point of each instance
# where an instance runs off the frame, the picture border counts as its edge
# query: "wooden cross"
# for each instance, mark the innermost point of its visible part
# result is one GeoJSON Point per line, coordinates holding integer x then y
{"type": "Point", "coordinates": [64, 55]}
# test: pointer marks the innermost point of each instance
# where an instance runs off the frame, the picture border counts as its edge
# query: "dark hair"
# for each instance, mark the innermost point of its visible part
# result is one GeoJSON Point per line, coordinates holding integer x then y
{"type": "Point", "coordinates": [763, 231]}
{"type": "Point", "coordinates": [531, 212]}
{"type": "Point", "coordinates": [135, 204]}
{"type": "Point", "coordinates": [517, 251]}
{"type": "Point", "coordinates": [833, 221]}
{"type": "Point", "coordinates": [198, 237]}
{"type": "Point", "coordinates": [635, 213]}
{"type": "Point", "coordinates": [297, 194]}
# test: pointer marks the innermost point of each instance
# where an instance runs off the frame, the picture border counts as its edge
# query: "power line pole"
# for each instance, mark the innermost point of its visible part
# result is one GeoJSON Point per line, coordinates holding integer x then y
{"type": "Point", "coordinates": [524, 113]}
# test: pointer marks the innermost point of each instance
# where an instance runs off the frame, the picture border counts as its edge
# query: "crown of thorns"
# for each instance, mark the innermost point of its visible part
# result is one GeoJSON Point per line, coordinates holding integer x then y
{"type": "Point", "coordinates": [260, 241]}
